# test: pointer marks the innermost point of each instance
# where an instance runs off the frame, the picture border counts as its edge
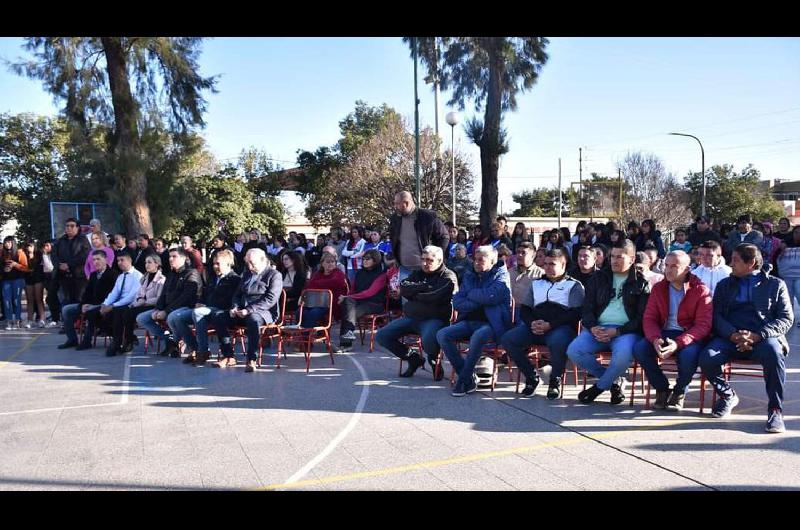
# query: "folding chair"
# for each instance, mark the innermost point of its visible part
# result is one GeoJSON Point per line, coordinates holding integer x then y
{"type": "Point", "coordinates": [372, 320]}
{"type": "Point", "coordinates": [306, 337]}
{"type": "Point", "coordinates": [273, 330]}
{"type": "Point", "coordinates": [537, 353]}
{"type": "Point", "coordinates": [414, 340]}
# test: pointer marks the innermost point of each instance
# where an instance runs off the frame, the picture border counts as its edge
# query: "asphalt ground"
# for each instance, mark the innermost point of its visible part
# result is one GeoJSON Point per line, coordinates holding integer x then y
{"type": "Point", "coordinates": [82, 421]}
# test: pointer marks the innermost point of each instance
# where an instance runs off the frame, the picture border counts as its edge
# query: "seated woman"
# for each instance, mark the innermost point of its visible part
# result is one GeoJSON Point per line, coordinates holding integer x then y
{"type": "Point", "coordinates": [293, 268]}
{"type": "Point", "coordinates": [99, 242]}
{"type": "Point", "coordinates": [368, 296]}
{"type": "Point", "coordinates": [329, 276]}
{"type": "Point", "coordinates": [150, 287]}
{"type": "Point", "coordinates": [393, 281]}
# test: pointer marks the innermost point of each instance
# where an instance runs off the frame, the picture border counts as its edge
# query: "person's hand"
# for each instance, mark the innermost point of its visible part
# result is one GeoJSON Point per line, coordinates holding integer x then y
{"type": "Point", "coordinates": [63, 267]}
{"type": "Point", "coordinates": [233, 312]}
{"type": "Point", "coordinates": [751, 337]}
{"type": "Point", "coordinates": [599, 332]}
{"type": "Point", "coordinates": [243, 313]}
{"type": "Point", "coordinates": [735, 337]}
{"type": "Point", "coordinates": [198, 305]}
{"type": "Point", "coordinates": [85, 308]}
{"type": "Point", "coordinates": [668, 349]}
{"type": "Point", "coordinates": [105, 309]}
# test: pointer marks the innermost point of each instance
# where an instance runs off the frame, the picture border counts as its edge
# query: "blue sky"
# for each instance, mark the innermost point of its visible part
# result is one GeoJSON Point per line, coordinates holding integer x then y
{"type": "Point", "coordinates": [740, 96]}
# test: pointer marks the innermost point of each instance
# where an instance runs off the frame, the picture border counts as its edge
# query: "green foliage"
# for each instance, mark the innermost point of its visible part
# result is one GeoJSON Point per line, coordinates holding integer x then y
{"type": "Point", "coordinates": [730, 194]}
{"type": "Point", "coordinates": [543, 202]}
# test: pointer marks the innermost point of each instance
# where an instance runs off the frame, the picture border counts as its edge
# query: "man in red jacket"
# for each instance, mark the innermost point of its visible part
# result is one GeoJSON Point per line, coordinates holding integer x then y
{"type": "Point", "coordinates": [676, 322]}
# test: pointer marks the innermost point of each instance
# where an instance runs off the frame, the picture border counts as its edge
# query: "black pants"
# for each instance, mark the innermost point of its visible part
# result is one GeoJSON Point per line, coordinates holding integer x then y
{"type": "Point", "coordinates": [352, 310]}
{"type": "Point", "coordinates": [71, 288]}
{"type": "Point", "coordinates": [95, 320]}
{"type": "Point", "coordinates": [252, 322]}
{"type": "Point", "coordinates": [124, 321]}
{"type": "Point", "coordinates": [53, 303]}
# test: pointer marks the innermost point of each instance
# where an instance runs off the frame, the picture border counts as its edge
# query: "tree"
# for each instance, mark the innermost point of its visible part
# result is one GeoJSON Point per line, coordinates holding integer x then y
{"type": "Point", "coordinates": [131, 83]}
{"type": "Point", "coordinates": [543, 202]}
{"type": "Point", "coordinates": [491, 71]}
{"type": "Point", "coordinates": [730, 194]}
{"type": "Point", "coordinates": [652, 193]}
{"type": "Point", "coordinates": [361, 189]}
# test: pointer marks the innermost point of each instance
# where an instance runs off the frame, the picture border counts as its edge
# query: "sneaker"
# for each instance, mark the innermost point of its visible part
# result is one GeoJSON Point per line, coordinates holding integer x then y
{"type": "Point", "coordinates": [414, 362]}
{"type": "Point", "coordinates": [775, 421]}
{"type": "Point", "coordinates": [530, 387]}
{"type": "Point", "coordinates": [617, 394]}
{"type": "Point", "coordinates": [250, 367]}
{"type": "Point", "coordinates": [348, 335]}
{"type": "Point", "coordinates": [554, 388]}
{"type": "Point", "coordinates": [471, 385]}
{"type": "Point", "coordinates": [590, 394]}
{"type": "Point", "coordinates": [42, 324]}
{"type": "Point", "coordinates": [201, 357]}
{"type": "Point", "coordinates": [662, 397]}
{"type": "Point", "coordinates": [53, 324]}
{"type": "Point", "coordinates": [170, 348]}
{"type": "Point", "coordinates": [676, 401]}
{"type": "Point", "coordinates": [723, 407]}
{"type": "Point", "coordinates": [458, 391]}
{"type": "Point", "coordinates": [28, 324]}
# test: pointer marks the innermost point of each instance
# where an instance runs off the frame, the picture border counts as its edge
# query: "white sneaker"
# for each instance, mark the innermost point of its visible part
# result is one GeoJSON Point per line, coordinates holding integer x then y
{"type": "Point", "coordinates": [42, 324]}
{"type": "Point", "coordinates": [28, 324]}
{"type": "Point", "coordinates": [53, 324]}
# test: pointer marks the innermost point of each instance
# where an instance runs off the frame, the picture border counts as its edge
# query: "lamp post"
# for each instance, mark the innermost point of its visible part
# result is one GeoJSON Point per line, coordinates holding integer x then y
{"type": "Point", "coordinates": [703, 169]}
{"type": "Point", "coordinates": [452, 120]}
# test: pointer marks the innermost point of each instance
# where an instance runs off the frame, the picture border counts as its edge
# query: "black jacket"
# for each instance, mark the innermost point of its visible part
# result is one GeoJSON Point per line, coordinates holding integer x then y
{"type": "Point", "coordinates": [261, 296]}
{"type": "Point", "coordinates": [97, 290]}
{"type": "Point", "coordinates": [293, 294]}
{"type": "Point", "coordinates": [698, 238]}
{"type": "Point", "coordinates": [429, 228]}
{"type": "Point", "coordinates": [73, 252]}
{"type": "Point", "coordinates": [140, 255]}
{"type": "Point", "coordinates": [548, 309]}
{"type": "Point", "coordinates": [212, 276]}
{"type": "Point", "coordinates": [221, 296]}
{"type": "Point", "coordinates": [182, 289]}
{"type": "Point", "coordinates": [429, 295]}
{"type": "Point", "coordinates": [636, 291]}
{"type": "Point", "coordinates": [582, 277]}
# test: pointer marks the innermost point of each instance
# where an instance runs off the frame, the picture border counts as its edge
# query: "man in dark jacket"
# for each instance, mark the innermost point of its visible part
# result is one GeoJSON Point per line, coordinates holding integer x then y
{"type": "Point", "coordinates": [585, 266]}
{"type": "Point", "coordinates": [254, 304]}
{"type": "Point", "coordinates": [483, 303]}
{"type": "Point", "coordinates": [101, 282]}
{"type": "Point", "coordinates": [752, 315]}
{"type": "Point", "coordinates": [429, 307]}
{"type": "Point", "coordinates": [551, 319]}
{"type": "Point", "coordinates": [143, 250]}
{"type": "Point", "coordinates": [69, 257]}
{"type": "Point", "coordinates": [703, 233]}
{"type": "Point", "coordinates": [216, 299]}
{"type": "Point", "coordinates": [411, 229]}
{"type": "Point", "coordinates": [181, 290]}
{"type": "Point", "coordinates": [612, 320]}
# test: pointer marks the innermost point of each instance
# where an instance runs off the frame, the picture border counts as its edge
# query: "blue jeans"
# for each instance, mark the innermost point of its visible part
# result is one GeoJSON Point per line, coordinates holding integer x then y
{"type": "Point", "coordinates": [202, 316]}
{"type": "Point", "coordinates": [223, 321]}
{"type": "Point", "coordinates": [478, 333]}
{"type": "Point", "coordinates": [686, 359]}
{"type": "Point", "coordinates": [179, 322]}
{"type": "Point", "coordinates": [312, 316]}
{"type": "Point", "coordinates": [517, 340]}
{"type": "Point", "coordinates": [768, 353]}
{"type": "Point", "coordinates": [145, 321]}
{"type": "Point", "coordinates": [793, 285]}
{"type": "Point", "coordinates": [12, 298]}
{"type": "Point", "coordinates": [389, 335]}
{"type": "Point", "coordinates": [70, 313]}
{"type": "Point", "coordinates": [583, 350]}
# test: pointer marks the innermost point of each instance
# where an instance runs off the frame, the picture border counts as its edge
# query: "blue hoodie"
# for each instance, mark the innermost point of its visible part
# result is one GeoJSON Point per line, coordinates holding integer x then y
{"type": "Point", "coordinates": [490, 290]}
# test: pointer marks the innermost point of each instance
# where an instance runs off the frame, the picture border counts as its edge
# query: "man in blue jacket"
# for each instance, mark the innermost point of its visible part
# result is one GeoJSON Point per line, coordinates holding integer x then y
{"type": "Point", "coordinates": [483, 303]}
{"type": "Point", "coordinates": [752, 315]}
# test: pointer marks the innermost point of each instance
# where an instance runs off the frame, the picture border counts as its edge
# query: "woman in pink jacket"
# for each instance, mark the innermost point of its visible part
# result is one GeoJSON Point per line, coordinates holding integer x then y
{"type": "Point", "coordinates": [99, 242]}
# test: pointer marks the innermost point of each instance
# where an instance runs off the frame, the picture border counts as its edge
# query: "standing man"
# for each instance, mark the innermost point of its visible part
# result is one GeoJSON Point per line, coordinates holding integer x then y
{"type": "Point", "coordinates": [523, 275]}
{"type": "Point", "coordinates": [411, 229]}
{"type": "Point", "coordinates": [70, 254]}
{"type": "Point", "coordinates": [752, 315]}
{"type": "Point", "coordinates": [703, 233]}
{"type": "Point", "coordinates": [744, 234]}
{"type": "Point", "coordinates": [612, 320]}
{"type": "Point", "coordinates": [676, 323]}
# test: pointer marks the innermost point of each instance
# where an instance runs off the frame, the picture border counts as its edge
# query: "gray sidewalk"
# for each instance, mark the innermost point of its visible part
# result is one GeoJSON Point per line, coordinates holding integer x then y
{"type": "Point", "coordinates": [80, 420]}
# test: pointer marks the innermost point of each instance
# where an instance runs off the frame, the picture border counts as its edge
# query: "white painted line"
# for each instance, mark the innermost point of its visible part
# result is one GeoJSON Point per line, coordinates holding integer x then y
{"type": "Point", "coordinates": [344, 432]}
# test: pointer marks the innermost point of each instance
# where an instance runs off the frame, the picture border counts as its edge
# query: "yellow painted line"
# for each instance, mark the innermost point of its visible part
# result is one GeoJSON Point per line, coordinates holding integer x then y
{"type": "Point", "coordinates": [19, 352]}
{"type": "Point", "coordinates": [573, 440]}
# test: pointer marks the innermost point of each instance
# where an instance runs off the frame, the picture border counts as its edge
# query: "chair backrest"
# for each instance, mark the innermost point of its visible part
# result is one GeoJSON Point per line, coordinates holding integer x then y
{"type": "Point", "coordinates": [317, 298]}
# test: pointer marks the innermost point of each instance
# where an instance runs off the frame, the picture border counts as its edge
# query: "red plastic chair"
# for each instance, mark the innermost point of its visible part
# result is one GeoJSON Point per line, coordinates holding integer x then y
{"type": "Point", "coordinates": [273, 330]}
{"type": "Point", "coordinates": [306, 337]}
{"type": "Point", "coordinates": [742, 367]}
{"type": "Point", "coordinates": [537, 354]}
{"type": "Point", "coordinates": [373, 322]}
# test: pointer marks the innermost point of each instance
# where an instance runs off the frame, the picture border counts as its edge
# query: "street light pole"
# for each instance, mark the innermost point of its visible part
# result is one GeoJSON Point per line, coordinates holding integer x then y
{"type": "Point", "coordinates": [416, 128]}
{"type": "Point", "coordinates": [703, 169]}
{"type": "Point", "coordinates": [452, 121]}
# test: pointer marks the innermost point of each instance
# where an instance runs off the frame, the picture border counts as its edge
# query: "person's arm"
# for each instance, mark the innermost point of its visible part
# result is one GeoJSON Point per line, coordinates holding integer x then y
{"type": "Point", "coordinates": [722, 327]}
{"type": "Point", "coordinates": [270, 297]}
{"type": "Point", "coordinates": [378, 285]}
{"type": "Point", "coordinates": [781, 313]}
{"type": "Point", "coordinates": [87, 267]}
{"type": "Point", "coordinates": [588, 317]}
{"type": "Point", "coordinates": [651, 321]}
{"type": "Point", "coordinates": [634, 325]}
{"type": "Point", "coordinates": [443, 292]}
{"type": "Point", "coordinates": [440, 236]}
{"type": "Point", "coordinates": [298, 284]}
{"type": "Point", "coordinates": [83, 251]}
{"type": "Point", "coordinates": [114, 291]}
{"type": "Point", "coordinates": [660, 246]}
{"type": "Point", "coordinates": [188, 295]}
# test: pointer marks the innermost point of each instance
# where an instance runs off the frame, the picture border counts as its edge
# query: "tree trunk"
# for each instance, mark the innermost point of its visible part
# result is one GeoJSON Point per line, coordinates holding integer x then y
{"type": "Point", "coordinates": [125, 147]}
{"type": "Point", "coordinates": [490, 141]}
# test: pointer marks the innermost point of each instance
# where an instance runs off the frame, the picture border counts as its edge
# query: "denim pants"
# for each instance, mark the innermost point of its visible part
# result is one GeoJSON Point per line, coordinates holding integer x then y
{"type": "Point", "coordinates": [202, 317]}
{"type": "Point", "coordinates": [686, 359]}
{"type": "Point", "coordinates": [583, 350]}
{"type": "Point", "coordinates": [12, 298]}
{"type": "Point", "coordinates": [793, 286]}
{"type": "Point", "coordinates": [389, 336]}
{"type": "Point", "coordinates": [179, 322]}
{"type": "Point", "coordinates": [478, 333]}
{"type": "Point", "coordinates": [145, 321]}
{"type": "Point", "coordinates": [768, 353]}
{"type": "Point", "coordinates": [517, 340]}
{"type": "Point", "coordinates": [70, 314]}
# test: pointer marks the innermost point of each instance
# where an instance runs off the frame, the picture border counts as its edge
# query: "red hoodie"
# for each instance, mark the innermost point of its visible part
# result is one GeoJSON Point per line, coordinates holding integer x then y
{"type": "Point", "coordinates": [335, 281]}
{"type": "Point", "coordinates": [694, 312]}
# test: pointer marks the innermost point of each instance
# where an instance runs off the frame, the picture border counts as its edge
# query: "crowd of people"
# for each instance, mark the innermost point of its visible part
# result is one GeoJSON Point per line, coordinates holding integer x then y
{"type": "Point", "coordinates": [701, 300]}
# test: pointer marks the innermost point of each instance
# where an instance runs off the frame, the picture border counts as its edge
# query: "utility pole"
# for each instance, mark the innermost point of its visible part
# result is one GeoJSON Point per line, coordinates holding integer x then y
{"type": "Point", "coordinates": [560, 199]}
{"type": "Point", "coordinates": [619, 175]}
{"type": "Point", "coordinates": [416, 129]}
{"type": "Point", "coordinates": [580, 177]}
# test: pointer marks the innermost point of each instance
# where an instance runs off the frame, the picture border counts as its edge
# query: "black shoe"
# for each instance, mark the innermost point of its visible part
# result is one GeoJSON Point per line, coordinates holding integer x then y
{"type": "Point", "coordinates": [554, 388]}
{"type": "Point", "coordinates": [617, 395]}
{"type": "Point", "coordinates": [530, 387]}
{"type": "Point", "coordinates": [437, 368]}
{"type": "Point", "coordinates": [676, 401]}
{"type": "Point", "coordinates": [113, 348]}
{"type": "Point", "coordinates": [590, 394]}
{"type": "Point", "coordinates": [170, 348]}
{"type": "Point", "coordinates": [68, 344]}
{"type": "Point", "coordinates": [126, 348]}
{"type": "Point", "coordinates": [84, 346]}
{"type": "Point", "coordinates": [458, 391]}
{"type": "Point", "coordinates": [471, 385]}
{"type": "Point", "coordinates": [662, 399]}
{"type": "Point", "coordinates": [414, 362]}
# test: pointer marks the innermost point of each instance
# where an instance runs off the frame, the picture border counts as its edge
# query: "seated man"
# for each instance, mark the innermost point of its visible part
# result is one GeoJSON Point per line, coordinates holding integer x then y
{"type": "Point", "coordinates": [429, 292]}
{"type": "Point", "coordinates": [676, 323]}
{"type": "Point", "coordinates": [550, 318]}
{"type": "Point", "coordinates": [180, 291]}
{"type": "Point", "coordinates": [101, 282]}
{"type": "Point", "coordinates": [142, 250]}
{"type": "Point", "coordinates": [712, 269]}
{"type": "Point", "coordinates": [120, 297]}
{"type": "Point", "coordinates": [368, 296]}
{"type": "Point", "coordinates": [523, 274]}
{"type": "Point", "coordinates": [752, 315]}
{"type": "Point", "coordinates": [216, 299]}
{"type": "Point", "coordinates": [585, 266]}
{"type": "Point", "coordinates": [255, 303]}
{"type": "Point", "coordinates": [460, 263]}
{"type": "Point", "coordinates": [483, 303]}
{"type": "Point", "coordinates": [612, 320]}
